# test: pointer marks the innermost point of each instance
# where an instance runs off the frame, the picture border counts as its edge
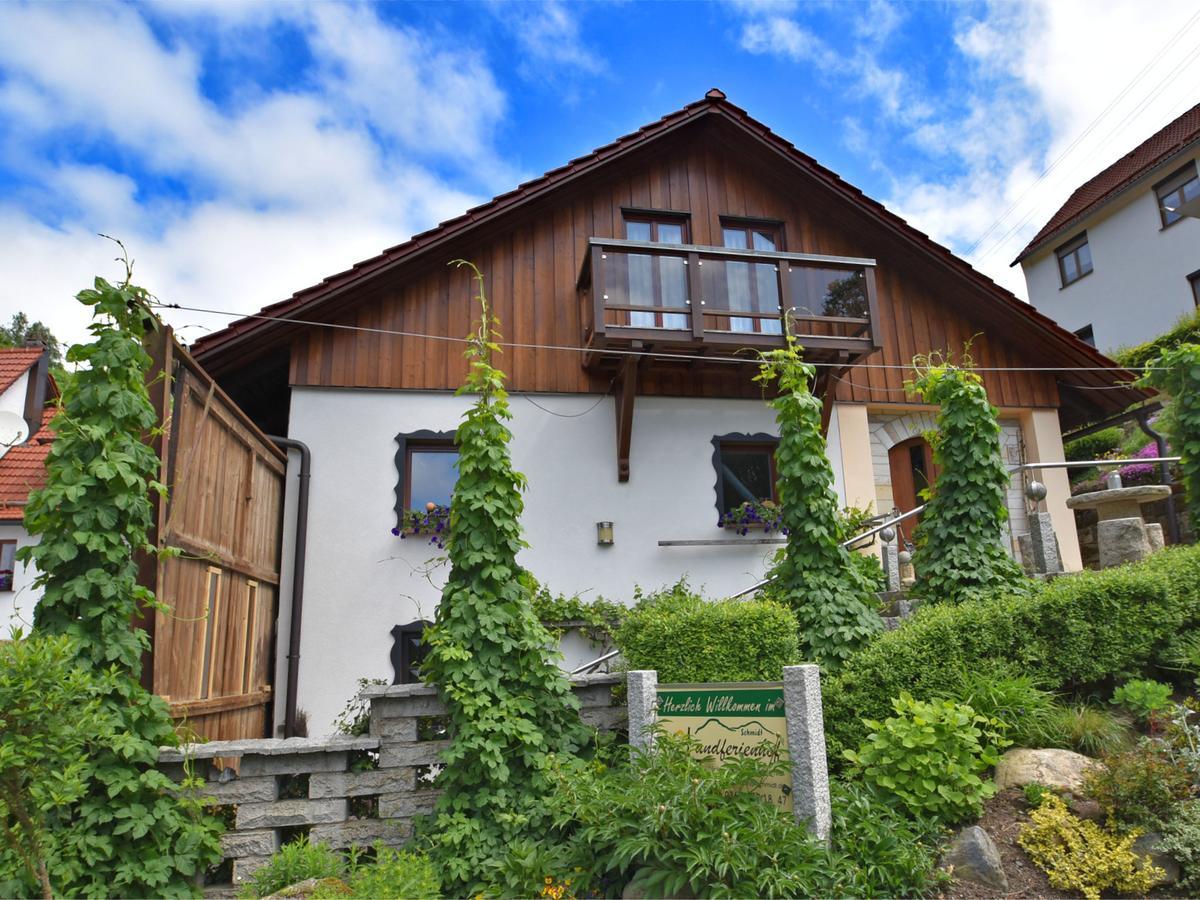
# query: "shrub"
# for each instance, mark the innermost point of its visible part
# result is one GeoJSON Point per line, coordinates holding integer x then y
{"type": "Point", "coordinates": [1073, 631]}
{"type": "Point", "coordinates": [1181, 841]}
{"type": "Point", "coordinates": [395, 873]}
{"type": "Point", "coordinates": [929, 757]}
{"type": "Point", "coordinates": [1082, 728]}
{"type": "Point", "coordinates": [294, 862]}
{"type": "Point", "coordinates": [1143, 697]}
{"type": "Point", "coordinates": [959, 555]}
{"type": "Point", "coordinates": [687, 639]}
{"type": "Point", "coordinates": [1035, 794]}
{"type": "Point", "coordinates": [1093, 446]}
{"type": "Point", "coordinates": [1139, 787]}
{"type": "Point", "coordinates": [600, 617]}
{"type": "Point", "coordinates": [1177, 372]}
{"type": "Point", "coordinates": [997, 692]}
{"type": "Point", "coordinates": [1081, 856]}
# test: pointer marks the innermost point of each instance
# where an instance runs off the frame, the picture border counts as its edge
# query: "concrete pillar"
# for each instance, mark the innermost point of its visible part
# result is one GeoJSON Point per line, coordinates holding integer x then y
{"type": "Point", "coordinates": [643, 707]}
{"type": "Point", "coordinates": [1043, 443]}
{"type": "Point", "coordinates": [806, 748]}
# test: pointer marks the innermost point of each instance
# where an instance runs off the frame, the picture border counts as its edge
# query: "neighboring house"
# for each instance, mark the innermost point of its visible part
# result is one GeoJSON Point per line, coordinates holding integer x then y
{"type": "Point", "coordinates": [1118, 264]}
{"type": "Point", "coordinates": [26, 392]}
{"type": "Point", "coordinates": [684, 240]}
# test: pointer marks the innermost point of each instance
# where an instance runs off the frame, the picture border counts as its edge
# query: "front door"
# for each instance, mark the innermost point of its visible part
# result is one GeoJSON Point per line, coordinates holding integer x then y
{"type": "Point", "coordinates": [911, 464]}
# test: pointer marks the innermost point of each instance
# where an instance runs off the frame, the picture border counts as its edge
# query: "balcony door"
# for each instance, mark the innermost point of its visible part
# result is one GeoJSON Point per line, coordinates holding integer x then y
{"type": "Point", "coordinates": [753, 287]}
{"type": "Point", "coordinates": [659, 281]}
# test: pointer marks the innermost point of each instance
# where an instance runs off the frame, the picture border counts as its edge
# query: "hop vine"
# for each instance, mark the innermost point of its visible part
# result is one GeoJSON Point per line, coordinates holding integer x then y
{"type": "Point", "coordinates": [509, 705]}
{"type": "Point", "coordinates": [959, 554]}
{"type": "Point", "coordinates": [1177, 372]}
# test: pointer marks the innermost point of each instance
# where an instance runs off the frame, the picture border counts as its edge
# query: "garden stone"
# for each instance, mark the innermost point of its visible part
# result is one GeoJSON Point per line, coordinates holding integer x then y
{"type": "Point", "coordinates": [1148, 846]}
{"type": "Point", "coordinates": [1061, 770]}
{"type": "Point", "coordinates": [305, 888]}
{"type": "Point", "coordinates": [1122, 541]}
{"type": "Point", "coordinates": [1154, 534]}
{"type": "Point", "coordinates": [973, 857]}
{"type": "Point", "coordinates": [1089, 810]}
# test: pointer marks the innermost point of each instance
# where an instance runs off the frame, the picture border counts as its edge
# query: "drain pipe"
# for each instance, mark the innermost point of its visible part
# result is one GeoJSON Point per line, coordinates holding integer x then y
{"type": "Point", "coordinates": [1164, 472]}
{"type": "Point", "coordinates": [293, 654]}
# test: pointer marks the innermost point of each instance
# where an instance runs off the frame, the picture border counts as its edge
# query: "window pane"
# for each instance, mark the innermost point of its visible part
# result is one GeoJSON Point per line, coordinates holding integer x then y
{"type": "Point", "coordinates": [764, 240]}
{"type": "Point", "coordinates": [746, 475]}
{"type": "Point", "coordinates": [670, 233]}
{"type": "Point", "coordinates": [1070, 268]}
{"type": "Point", "coordinates": [433, 475]}
{"type": "Point", "coordinates": [1085, 259]}
{"type": "Point", "coordinates": [8, 559]}
{"type": "Point", "coordinates": [637, 231]}
{"type": "Point", "coordinates": [1191, 190]}
{"type": "Point", "coordinates": [734, 238]}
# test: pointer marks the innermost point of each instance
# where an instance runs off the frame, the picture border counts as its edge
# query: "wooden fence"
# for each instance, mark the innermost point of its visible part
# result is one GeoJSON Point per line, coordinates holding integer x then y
{"type": "Point", "coordinates": [212, 649]}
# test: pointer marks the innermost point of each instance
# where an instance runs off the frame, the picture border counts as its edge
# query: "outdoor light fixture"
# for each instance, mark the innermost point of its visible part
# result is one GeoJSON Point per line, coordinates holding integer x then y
{"type": "Point", "coordinates": [604, 534]}
{"type": "Point", "coordinates": [1036, 491]}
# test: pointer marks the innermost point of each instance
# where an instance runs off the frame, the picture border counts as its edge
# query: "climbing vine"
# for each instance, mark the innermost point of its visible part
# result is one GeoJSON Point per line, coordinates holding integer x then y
{"type": "Point", "coordinates": [510, 707]}
{"type": "Point", "coordinates": [959, 554]}
{"type": "Point", "coordinates": [1177, 372]}
{"type": "Point", "coordinates": [815, 576]}
{"type": "Point", "coordinates": [128, 833]}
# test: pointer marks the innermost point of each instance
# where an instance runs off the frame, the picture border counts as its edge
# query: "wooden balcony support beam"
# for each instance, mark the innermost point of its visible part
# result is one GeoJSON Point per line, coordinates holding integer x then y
{"type": "Point", "coordinates": [626, 393]}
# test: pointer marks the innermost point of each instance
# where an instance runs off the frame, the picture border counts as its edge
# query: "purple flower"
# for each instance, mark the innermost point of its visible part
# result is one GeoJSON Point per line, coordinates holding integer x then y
{"type": "Point", "coordinates": [1141, 471]}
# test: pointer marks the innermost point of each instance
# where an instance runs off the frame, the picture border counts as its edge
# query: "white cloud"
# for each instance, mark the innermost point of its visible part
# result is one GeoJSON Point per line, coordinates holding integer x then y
{"type": "Point", "coordinates": [785, 37]}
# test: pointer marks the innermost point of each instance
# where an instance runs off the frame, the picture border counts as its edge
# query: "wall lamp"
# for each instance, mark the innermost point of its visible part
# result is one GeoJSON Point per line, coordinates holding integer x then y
{"type": "Point", "coordinates": [604, 534]}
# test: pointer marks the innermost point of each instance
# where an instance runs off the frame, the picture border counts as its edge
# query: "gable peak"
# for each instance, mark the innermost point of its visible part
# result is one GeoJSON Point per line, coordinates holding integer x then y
{"type": "Point", "coordinates": [714, 94]}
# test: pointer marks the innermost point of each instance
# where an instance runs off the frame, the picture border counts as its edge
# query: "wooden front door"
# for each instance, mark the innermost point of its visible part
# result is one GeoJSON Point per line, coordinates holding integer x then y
{"type": "Point", "coordinates": [911, 464]}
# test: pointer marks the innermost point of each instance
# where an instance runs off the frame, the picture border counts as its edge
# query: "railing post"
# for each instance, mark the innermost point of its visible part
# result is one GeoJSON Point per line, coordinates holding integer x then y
{"type": "Point", "coordinates": [695, 293]}
{"type": "Point", "coordinates": [785, 293]}
{"type": "Point", "coordinates": [598, 289]}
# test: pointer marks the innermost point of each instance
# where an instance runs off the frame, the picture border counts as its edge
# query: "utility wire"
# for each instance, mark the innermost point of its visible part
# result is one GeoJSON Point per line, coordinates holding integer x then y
{"type": "Point", "coordinates": [646, 354]}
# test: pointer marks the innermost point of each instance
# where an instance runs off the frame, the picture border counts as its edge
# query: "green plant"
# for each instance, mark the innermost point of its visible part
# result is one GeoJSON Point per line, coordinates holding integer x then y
{"type": "Point", "coordinates": [958, 553]}
{"type": "Point", "coordinates": [1093, 446]}
{"type": "Point", "coordinates": [1069, 633]}
{"type": "Point", "coordinates": [600, 617]}
{"type": "Point", "coordinates": [1137, 788]}
{"type": "Point", "coordinates": [998, 692]}
{"type": "Point", "coordinates": [1181, 841]}
{"type": "Point", "coordinates": [1082, 728]}
{"type": "Point", "coordinates": [295, 861]}
{"type": "Point", "coordinates": [929, 757]}
{"type": "Point", "coordinates": [832, 600]}
{"type": "Point", "coordinates": [508, 704]}
{"type": "Point", "coordinates": [1036, 794]}
{"type": "Point", "coordinates": [130, 832]}
{"type": "Point", "coordinates": [355, 717]}
{"type": "Point", "coordinates": [1081, 856]}
{"type": "Point", "coordinates": [688, 639]}
{"type": "Point", "coordinates": [1185, 330]}
{"type": "Point", "coordinates": [394, 873]}
{"type": "Point", "coordinates": [1177, 372]}
{"type": "Point", "coordinates": [49, 708]}
{"type": "Point", "coordinates": [1143, 697]}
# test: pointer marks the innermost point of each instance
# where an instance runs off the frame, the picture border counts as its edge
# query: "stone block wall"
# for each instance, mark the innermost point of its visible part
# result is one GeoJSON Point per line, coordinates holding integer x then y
{"type": "Point", "coordinates": [340, 790]}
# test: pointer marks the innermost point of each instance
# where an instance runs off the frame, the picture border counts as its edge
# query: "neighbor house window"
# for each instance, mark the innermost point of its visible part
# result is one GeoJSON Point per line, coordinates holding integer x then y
{"type": "Point", "coordinates": [1074, 260]}
{"type": "Point", "coordinates": [8, 562]}
{"type": "Point", "coordinates": [1194, 282]}
{"type": "Point", "coordinates": [1087, 335]}
{"type": "Point", "coordinates": [1176, 191]}
{"type": "Point", "coordinates": [745, 466]}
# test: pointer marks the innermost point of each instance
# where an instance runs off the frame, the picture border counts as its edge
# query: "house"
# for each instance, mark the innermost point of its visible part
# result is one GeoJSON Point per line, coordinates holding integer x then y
{"type": "Point", "coordinates": [628, 282]}
{"type": "Point", "coordinates": [27, 391]}
{"type": "Point", "coordinates": [1119, 263]}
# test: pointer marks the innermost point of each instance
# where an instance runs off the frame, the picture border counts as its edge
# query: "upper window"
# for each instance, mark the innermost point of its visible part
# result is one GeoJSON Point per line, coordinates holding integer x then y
{"type": "Point", "coordinates": [8, 562]}
{"type": "Point", "coordinates": [1176, 191]}
{"type": "Point", "coordinates": [745, 467]}
{"type": "Point", "coordinates": [1074, 260]}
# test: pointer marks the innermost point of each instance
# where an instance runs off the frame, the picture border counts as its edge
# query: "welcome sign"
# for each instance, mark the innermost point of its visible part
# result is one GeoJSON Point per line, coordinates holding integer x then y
{"type": "Point", "coordinates": [732, 721]}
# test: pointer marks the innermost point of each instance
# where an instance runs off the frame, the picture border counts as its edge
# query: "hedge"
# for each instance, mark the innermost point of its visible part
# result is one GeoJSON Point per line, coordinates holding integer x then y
{"type": "Point", "coordinates": [1094, 446]}
{"type": "Point", "coordinates": [1072, 631]}
{"type": "Point", "coordinates": [688, 639]}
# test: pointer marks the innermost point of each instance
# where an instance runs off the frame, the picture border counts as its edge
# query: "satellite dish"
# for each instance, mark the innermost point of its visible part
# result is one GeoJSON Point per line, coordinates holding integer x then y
{"type": "Point", "coordinates": [14, 430]}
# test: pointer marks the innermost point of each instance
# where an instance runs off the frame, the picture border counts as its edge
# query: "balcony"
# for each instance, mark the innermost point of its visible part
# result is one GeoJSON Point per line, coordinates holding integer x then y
{"type": "Point", "coordinates": [690, 301]}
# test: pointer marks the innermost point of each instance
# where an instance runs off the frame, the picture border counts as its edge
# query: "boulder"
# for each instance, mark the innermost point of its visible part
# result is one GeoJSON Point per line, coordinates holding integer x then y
{"type": "Point", "coordinates": [1062, 770]}
{"type": "Point", "coordinates": [1087, 809]}
{"type": "Point", "coordinates": [973, 857]}
{"type": "Point", "coordinates": [1149, 845]}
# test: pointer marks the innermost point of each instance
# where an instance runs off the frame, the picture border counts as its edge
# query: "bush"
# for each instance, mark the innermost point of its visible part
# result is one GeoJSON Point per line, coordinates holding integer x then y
{"type": "Point", "coordinates": [1082, 728]}
{"type": "Point", "coordinates": [929, 757]}
{"type": "Point", "coordinates": [1138, 788]}
{"type": "Point", "coordinates": [294, 862]}
{"type": "Point", "coordinates": [1036, 794]}
{"type": "Point", "coordinates": [395, 873]}
{"type": "Point", "coordinates": [1181, 841]}
{"type": "Point", "coordinates": [997, 692]}
{"type": "Point", "coordinates": [1093, 446]}
{"type": "Point", "coordinates": [1143, 697]}
{"type": "Point", "coordinates": [1070, 632]}
{"type": "Point", "coordinates": [1080, 856]}
{"type": "Point", "coordinates": [688, 639]}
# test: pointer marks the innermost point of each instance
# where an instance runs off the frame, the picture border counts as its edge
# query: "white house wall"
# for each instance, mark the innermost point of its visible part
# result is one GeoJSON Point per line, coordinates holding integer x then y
{"type": "Point", "coordinates": [1138, 287]}
{"type": "Point", "coordinates": [360, 580]}
{"type": "Point", "coordinates": [16, 606]}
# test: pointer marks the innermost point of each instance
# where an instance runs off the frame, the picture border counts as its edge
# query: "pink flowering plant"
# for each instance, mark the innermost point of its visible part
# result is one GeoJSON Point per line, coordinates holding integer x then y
{"type": "Point", "coordinates": [1141, 473]}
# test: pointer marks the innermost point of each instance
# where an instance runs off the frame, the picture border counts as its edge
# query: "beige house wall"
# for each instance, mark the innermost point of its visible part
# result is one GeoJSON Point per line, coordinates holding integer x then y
{"type": "Point", "coordinates": [1043, 440]}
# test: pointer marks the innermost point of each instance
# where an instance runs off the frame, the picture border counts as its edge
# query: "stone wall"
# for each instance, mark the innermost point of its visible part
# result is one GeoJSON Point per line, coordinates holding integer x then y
{"type": "Point", "coordinates": [343, 790]}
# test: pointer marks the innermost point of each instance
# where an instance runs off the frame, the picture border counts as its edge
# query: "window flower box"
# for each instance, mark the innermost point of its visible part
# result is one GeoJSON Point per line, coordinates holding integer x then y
{"type": "Point", "coordinates": [432, 521]}
{"type": "Point", "coordinates": [759, 515]}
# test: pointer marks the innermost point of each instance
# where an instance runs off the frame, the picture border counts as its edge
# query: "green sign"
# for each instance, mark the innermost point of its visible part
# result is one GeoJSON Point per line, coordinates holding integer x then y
{"type": "Point", "coordinates": [732, 721]}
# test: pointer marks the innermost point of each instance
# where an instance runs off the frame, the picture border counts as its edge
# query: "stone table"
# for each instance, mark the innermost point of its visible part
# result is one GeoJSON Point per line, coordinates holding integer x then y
{"type": "Point", "coordinates": [1122, 534]}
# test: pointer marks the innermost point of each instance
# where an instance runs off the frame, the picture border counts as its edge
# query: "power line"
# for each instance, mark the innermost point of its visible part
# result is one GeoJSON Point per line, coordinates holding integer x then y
{"type": "Point", "coordinates": [648, 354]}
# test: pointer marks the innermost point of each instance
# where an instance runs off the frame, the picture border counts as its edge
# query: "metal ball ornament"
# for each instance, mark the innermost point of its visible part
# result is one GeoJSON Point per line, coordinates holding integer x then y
{"type": "Point", "coordinates": [904, 557]}
{"type": "Point", "coordinates": [888, 534]}
{"type": "Point", "coordinates": [1036, 491]}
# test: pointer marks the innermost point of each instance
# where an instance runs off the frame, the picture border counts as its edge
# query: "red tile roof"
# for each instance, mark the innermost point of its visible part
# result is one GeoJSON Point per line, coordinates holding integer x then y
{"type": "Point", "coordinates": [1131, 167]}
{"type": "Point", "coordinates": [15, 362]}
{"type": "Point", "coordinates": [23, 469]}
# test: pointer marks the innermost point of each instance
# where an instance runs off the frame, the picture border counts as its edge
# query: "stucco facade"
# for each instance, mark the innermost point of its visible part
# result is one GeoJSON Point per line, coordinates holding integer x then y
{"type": "Point", "coordinates": [1138, 287]}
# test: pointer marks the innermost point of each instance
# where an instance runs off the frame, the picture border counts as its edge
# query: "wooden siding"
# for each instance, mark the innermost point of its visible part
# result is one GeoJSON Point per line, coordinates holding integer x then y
{"type": "Point", "coordinates": [212, 655]}
{"type": "Point", "coordinates": [532, 264]}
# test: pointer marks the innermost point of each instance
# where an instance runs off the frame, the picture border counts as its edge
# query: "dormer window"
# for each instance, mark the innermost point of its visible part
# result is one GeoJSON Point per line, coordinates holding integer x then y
{"type": "Point", "coordinates": [1074, 260]}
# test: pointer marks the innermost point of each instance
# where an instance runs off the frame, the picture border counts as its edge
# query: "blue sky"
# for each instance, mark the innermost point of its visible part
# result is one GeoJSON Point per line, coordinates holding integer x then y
{"type": "Point", "coordinates": [245, 150]}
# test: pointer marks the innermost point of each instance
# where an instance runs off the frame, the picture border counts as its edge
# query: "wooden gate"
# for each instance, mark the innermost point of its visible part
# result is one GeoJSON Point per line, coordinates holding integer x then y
{"type": "Point", "coordinates": [212, 648]}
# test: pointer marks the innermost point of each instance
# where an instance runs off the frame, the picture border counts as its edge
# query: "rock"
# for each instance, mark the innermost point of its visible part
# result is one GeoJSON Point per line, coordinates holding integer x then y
{"type": "Point", "coordinates": [1087, 809]}
{"type": "Point", "coordinates": [308, 887]}
{"type": "Point", "coordinates": [1122, 541]}
{"type": "Point", "coordinates": [1062, 770]}
{"type": "Point", "coordinates": [1148, 846]}
{"type": "Point", "coordinates": [973, 857]}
